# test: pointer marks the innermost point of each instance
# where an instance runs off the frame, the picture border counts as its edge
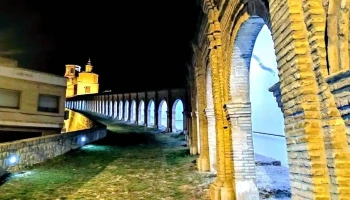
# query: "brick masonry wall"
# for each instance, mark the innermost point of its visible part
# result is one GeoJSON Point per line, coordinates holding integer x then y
{"type": "Point", "coordinates": [339, 84]}
{"type": "Point", "coordinates": [37, 150]}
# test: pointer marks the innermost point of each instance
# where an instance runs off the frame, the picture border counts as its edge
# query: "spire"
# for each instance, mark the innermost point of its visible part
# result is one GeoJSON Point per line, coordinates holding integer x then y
{"type": "Point", "coordinates": [88, 67]}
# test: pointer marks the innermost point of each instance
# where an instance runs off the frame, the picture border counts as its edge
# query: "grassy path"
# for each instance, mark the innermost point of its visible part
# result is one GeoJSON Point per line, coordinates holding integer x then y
{"type": "Point", "coordinates": [132, 162]}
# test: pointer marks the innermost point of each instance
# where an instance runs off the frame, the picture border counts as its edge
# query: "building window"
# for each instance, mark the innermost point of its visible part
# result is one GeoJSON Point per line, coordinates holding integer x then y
{"type": "Point", "coordinates": [71, 70]}
{"type": "Point", "coordinates": [9, 98]}
{"type": "Point", "coordinates": [48, 103]}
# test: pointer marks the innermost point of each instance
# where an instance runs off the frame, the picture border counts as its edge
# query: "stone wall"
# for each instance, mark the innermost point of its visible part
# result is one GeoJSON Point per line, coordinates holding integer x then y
{"type": "Point", "coordinates": [340, 88]}
{"type": "Point", "coordinates": [77, 121]}
{"type": "Point", "coordinates": [37, 150]}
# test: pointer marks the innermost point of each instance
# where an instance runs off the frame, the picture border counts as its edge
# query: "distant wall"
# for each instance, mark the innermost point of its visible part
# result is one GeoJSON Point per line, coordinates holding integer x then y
{"type": "Point", "coordinates": [37, 150]}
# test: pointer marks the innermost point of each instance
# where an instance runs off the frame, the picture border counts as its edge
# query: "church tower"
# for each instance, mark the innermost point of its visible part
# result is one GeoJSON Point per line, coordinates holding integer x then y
{"type": "Point", "coordinates": [70, 71]}
{"type": "Point", "coordinates": [87, 80]}
{"type": "Point", "coordinates": [88, 66]}
{"type": "Point", "coordinates": [71, 80]}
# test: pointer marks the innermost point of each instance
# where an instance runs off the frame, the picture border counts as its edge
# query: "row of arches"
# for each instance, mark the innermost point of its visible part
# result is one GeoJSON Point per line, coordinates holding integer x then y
{"type": "Point", "coordinates": [137, 113]}
{"type": "Point", "coordinates": [296, 67]}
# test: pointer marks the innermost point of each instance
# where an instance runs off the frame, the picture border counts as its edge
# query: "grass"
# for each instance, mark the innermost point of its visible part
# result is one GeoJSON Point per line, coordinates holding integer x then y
{"type": "Point", "coordinates": [131, 163]}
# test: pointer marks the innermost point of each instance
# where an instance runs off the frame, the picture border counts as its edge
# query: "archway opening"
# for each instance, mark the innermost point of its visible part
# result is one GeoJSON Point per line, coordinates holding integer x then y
{"type": "Point", "coordinates": [253, 72]}
{"type": "Point", "coordinates": [121, 110]}
{"type": "Point", "coordinates": [209, 113]}
{"type": "Point", "coordinates": [141, 119]}
{"type": "Point", "coordinates": [177, 116]}
{"type": "Point", "coordinates": [111, 108]}
{"type": "Point", "coordinates": [133, 112]}
{"type": "Point", "coordinates": [150, 114]}
{"type": "Point", "coordinates": [268, 132]}
{"type": "Point", "coordinates": [126, 110]}
{"type": "Point", "coordinates": [162, 115]}
{"type": "Point", "coordinates": [115, 109]}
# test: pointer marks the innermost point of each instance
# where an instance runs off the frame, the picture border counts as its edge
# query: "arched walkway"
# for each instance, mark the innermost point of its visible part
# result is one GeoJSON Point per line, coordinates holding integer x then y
{"type": "Point", "coordinates": [126, 110]}
{"type": "Point", "coordinates": [133, 112]}
{"type": "Point", "coordinates": [141, 119]}
{"type": "Point", "coordinates": [150, 114]}
{"type": "Point", "coordinates": [121, 110]}
{"type": "Point", "coordinates": [162, 115]}
{"type": "Point", "coordinates": [177, 116]}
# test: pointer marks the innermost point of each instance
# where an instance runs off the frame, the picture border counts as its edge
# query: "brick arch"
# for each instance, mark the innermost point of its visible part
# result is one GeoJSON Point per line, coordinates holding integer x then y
{"type": "Point", "coordinates": [120, 110]}
{"type": "Point", "coordinates": [241, 57]}
{"type": "Point", "coordinates": [164, 116]}
{"type": "Point", "coordinates": [151, 118]}
{"type": "Point", "coordinates": [115, 109]}
{"type": "Point", "coordinates": [299, 90]}
{"type": "Point", "coordinates": [133, 111]}
{"type": "Point", "coordinates": [141, 111]}
{"type": "Point", "coordinates": [255, 8]}
{"type": "Point", "coordinates": [126, 110]}
{"type": "Point", "coordinates": [173, 115]}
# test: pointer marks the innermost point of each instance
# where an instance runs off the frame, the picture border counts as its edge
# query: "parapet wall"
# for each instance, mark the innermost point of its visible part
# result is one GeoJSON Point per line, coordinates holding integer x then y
{"type": "Point", "coordinates": [36, 150]}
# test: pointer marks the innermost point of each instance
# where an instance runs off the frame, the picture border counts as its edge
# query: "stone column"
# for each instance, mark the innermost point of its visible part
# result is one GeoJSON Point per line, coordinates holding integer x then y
{"type": "Point", "coordinates": [169, 119]}
{"type": "Point", "coordinates": [239, 116]}
{"type": "Point", "coordinates": [194, 138]}
{"type": "Point", "coordinates": [209, 113]}
{"type": "Point", "coordinates": [203, 162]}
{"type": "Point", "coordinates": [189, 129]}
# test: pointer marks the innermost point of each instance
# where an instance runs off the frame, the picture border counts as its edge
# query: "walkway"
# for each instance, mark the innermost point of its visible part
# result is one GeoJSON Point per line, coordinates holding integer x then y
{"type": "Point", "coordinates": [131, 163]}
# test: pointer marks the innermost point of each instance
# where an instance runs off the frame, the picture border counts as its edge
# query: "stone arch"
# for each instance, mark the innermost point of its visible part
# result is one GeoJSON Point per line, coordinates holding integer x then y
{"type": "Point", "coordinates": [178, 116]}
{"type": "Point", "coordinates": [126, 110]}
{"type": "Point", "coordinates": [141, 110]}
{"type": "Point", "coordinates": [151, 113]}
{"type": "Point", "coordinates": [163, 115]}
{"type": "Point", "coordinates": [133, 111]}
{"type": "Point", "coordinates": [121, 110]}
{"type": "Point", "coordinates": [239, 107]}
{"type": "Point", "coordinates": [209, 113]}
{"type": "Point", "coordinates": [115, 109]}
{"type": "Point", "coordinates": [110, 108]}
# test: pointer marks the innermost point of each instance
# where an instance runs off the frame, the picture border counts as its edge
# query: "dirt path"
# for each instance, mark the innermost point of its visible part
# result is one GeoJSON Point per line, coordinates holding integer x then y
{"type": "Point", "coordinates": [133, 162]}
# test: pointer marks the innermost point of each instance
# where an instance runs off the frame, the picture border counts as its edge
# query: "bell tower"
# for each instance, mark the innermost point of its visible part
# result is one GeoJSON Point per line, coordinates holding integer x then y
{"type": "Point", "coordinates": [88, 66]}
{"type": "Point", "coordinates": [70, 71]}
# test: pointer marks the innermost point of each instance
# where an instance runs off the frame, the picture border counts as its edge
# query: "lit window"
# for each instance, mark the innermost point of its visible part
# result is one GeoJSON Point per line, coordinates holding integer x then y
{"type": "Point", "coordinates": [9, 98]}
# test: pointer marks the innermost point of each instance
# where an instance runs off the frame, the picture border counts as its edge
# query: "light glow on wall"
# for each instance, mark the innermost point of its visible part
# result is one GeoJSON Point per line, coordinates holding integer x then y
{"type": "Point", "coordinates": [12, 160]}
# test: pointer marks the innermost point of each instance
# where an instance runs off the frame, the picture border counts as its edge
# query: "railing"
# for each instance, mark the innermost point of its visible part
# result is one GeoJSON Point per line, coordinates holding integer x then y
{"type": "Point", "coordinates": [262, 133]}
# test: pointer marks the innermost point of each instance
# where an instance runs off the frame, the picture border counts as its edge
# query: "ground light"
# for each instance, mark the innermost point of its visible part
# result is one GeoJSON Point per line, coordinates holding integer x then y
{"type": "Point", "coordinates": [12, 160]}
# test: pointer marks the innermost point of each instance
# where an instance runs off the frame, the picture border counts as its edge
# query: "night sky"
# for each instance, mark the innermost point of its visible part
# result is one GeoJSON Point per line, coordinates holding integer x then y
{"type": "Point", "coordinates": [133, 45]}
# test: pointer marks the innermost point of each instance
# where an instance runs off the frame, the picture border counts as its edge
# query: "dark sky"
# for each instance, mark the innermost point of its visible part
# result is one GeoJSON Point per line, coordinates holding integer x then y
{"type": "Point", "coordinates": [133, 45]}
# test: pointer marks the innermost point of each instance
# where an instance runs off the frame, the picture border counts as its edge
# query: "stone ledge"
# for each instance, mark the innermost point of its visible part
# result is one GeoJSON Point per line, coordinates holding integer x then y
{"type": "Point", "coordinates": [237, 109]}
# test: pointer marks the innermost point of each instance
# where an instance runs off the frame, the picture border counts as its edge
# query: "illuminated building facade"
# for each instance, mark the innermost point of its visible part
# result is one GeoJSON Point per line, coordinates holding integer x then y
{"type": "Point", "coordinates": [85, 83]}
